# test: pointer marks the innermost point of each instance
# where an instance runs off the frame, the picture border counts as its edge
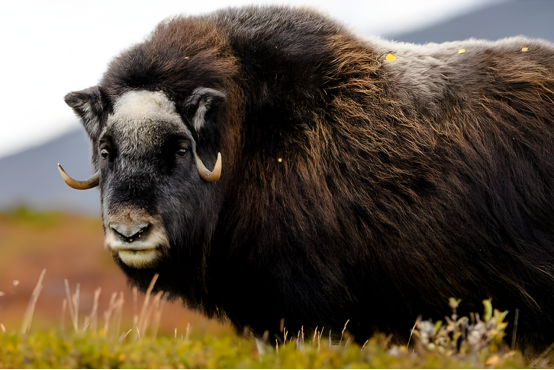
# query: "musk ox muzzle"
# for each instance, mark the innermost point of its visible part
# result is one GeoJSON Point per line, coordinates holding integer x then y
{"type": "Point", "coordinates": [137, 238]}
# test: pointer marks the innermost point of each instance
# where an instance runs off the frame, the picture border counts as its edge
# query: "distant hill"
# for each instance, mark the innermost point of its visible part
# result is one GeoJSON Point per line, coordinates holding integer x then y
{"type": "Point", "coordinates": [531, 18]}
{"type": "Point", "coordinates": [31, 178]}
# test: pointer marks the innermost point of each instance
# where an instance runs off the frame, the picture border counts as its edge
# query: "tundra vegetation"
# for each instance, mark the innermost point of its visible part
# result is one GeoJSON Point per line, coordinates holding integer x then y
{"type": "Point", "coordinates": [458, 342]}
{"type": "Point", "coordinates": [107, 333]}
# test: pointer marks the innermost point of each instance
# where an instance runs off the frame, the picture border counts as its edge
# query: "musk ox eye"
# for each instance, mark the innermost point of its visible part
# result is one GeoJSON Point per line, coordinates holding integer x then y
{"type": "Point", "coordinates": [181, 152]}
{"type": "Point", "coordinates": [104, 153]}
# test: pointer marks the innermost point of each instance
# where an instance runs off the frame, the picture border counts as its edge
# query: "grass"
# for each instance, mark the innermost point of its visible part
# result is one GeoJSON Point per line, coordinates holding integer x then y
{"type": "Point", "coordinates": [113, 341]}
{"type": "Point", "coordinates": [35, 219]}
{"type": "Point", "coordinates": [97, 350]}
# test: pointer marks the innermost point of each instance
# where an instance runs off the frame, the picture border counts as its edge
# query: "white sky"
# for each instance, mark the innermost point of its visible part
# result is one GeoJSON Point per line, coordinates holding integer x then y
{"type": "Point", "coordinates": [49, 48]}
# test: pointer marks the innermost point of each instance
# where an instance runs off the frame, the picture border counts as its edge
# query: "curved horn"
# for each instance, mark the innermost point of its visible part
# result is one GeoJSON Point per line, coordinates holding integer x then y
{"type": "Point", "coordinates": [207, 175]}
{"type": "Point", "coordinates": [93, 181]}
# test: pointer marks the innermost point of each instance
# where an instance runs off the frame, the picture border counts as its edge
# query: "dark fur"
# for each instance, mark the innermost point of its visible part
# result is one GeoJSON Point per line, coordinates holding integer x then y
{"type": "Point", "coordinates": [401, 183]}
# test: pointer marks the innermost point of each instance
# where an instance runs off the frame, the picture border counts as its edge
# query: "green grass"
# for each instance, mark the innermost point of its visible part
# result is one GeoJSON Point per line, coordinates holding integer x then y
{"type": "Point", "coordinates": [94, 350]}
{"type": "Point", "coordinates": [36, 219]}
{"type": "Point", "coordinates": [433, 345]}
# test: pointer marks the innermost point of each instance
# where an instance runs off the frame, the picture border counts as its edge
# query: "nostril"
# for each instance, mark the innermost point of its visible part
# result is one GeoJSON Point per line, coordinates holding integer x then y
{"type": "Point", "coordinates": [138, 234]}
{"type": "Point", "coordinates": [128, 233]}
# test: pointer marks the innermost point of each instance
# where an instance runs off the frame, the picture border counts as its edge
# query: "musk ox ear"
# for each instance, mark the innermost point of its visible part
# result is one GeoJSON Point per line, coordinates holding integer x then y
{"type": "Point", "coordinates": [203, 105]}
{"type": "Point", "coordinates": [89, 105]}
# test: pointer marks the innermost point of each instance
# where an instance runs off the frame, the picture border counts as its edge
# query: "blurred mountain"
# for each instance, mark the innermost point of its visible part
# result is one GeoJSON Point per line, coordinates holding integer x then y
{"type": "Point", "coordinates": [531, 18]}
{"type": "Point", "coordinates": [31, 177]}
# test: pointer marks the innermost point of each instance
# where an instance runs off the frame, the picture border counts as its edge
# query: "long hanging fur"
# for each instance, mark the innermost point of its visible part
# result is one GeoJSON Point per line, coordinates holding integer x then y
{"type": "Point", "coordinates": [354, 187]}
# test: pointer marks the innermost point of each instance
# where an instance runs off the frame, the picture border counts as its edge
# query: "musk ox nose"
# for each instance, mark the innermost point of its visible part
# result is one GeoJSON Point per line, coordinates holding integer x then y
{"type": "Point", "coordinates": [135, 237]}
{"type": "Point", "coordinates": [129, 232]}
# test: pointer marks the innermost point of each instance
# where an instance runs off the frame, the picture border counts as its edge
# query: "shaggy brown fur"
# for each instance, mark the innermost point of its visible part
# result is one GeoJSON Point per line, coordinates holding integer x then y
{"type": "Point", "coordinates": [352, 187]}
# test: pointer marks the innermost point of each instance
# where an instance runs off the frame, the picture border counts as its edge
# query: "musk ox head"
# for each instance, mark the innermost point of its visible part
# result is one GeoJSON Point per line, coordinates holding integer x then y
{"type": "Point", "coordinates": [157, 121]}
{"type": "Point", "coordinates": [155, 189]}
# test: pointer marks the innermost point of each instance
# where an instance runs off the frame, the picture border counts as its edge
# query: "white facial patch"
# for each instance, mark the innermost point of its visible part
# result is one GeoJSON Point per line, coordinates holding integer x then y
{"type": "Point", "coordinates": [139, 115]}
{"type": "Point", "coordinates": [144, 105]}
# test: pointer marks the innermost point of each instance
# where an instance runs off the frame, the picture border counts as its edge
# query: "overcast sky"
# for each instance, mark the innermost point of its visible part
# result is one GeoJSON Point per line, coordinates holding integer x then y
{"type": "Point", "coordinates": [50, 48]}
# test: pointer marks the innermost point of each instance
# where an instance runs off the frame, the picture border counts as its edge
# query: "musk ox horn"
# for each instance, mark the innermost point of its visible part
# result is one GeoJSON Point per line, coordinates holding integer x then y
{"type": "Point", "coordinates": [92, 182]}
{"type": "Point", "coordinates": [207, 175]}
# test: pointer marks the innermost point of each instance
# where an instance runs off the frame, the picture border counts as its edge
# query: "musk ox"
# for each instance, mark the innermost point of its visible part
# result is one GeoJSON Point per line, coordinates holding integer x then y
{"type": "Point", "coordinates": [270, 164]}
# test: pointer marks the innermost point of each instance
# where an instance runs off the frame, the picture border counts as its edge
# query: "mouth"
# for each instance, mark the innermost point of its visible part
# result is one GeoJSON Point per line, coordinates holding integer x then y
{"type": "Point", "coordinates": [143, 252]}
{"type": "Point", "coordinates": [138, 258]}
